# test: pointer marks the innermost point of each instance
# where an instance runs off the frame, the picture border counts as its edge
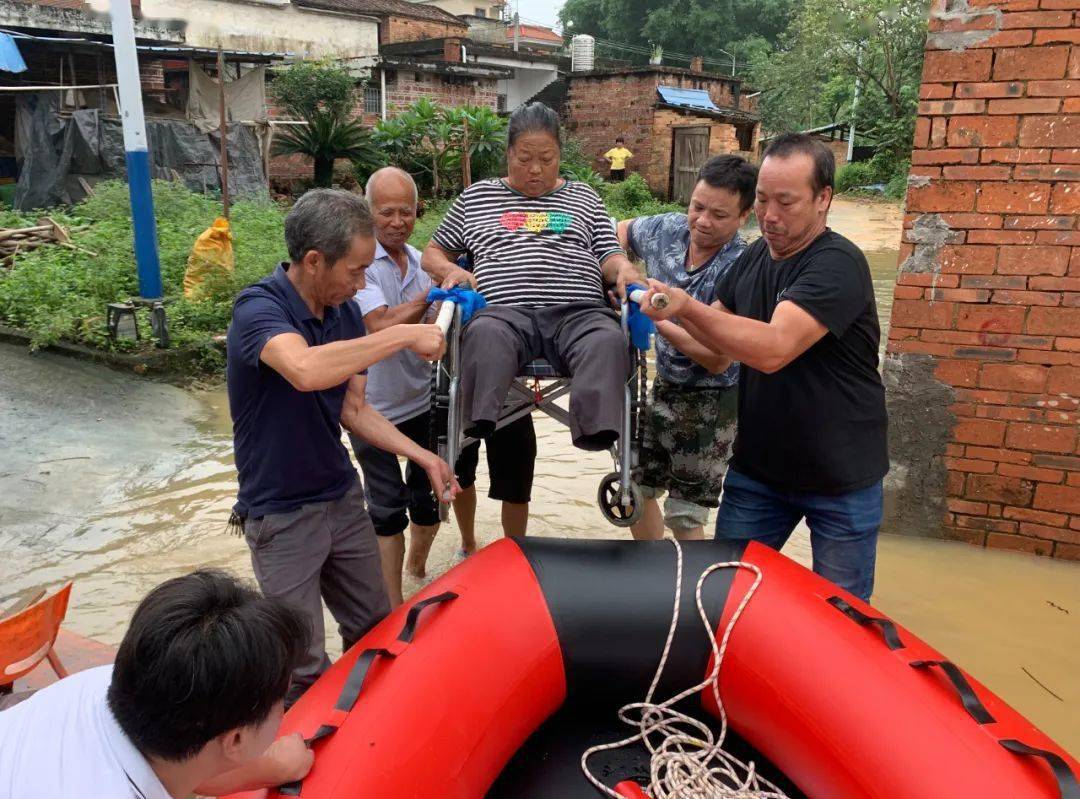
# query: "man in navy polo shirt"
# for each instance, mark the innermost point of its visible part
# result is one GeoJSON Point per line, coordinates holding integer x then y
{"type": "Point", "coordinates": [297, 361]}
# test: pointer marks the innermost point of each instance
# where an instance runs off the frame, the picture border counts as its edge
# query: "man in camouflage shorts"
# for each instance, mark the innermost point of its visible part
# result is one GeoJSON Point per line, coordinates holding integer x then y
{"type": "Point", "coordinates": [690, 424]}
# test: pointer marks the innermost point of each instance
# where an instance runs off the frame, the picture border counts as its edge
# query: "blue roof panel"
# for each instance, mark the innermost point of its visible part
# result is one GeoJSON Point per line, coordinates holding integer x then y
{"type": "Point", "coordinates": [687, 98]}
{"type": "Point", "coordinates": [11, 59]}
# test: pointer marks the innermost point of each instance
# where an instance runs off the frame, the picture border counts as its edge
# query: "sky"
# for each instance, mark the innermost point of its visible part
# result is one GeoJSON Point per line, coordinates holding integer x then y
{"type": "Point", "coordinates": [544, 11]}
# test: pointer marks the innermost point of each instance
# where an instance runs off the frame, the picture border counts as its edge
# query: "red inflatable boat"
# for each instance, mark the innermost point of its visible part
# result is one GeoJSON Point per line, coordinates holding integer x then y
{"type": "Point", "coordinates": [495, 679]}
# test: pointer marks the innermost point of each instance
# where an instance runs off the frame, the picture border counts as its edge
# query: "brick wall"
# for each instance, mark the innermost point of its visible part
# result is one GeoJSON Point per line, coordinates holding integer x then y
{"type": "Point", "coordinates": [987, 304]}
{"type": "Point", "coordinates": [407, 29]}
{"type": "Point", "coordinates": [407, 87]}
{"type": "Point", "coordinates": [656, 169]}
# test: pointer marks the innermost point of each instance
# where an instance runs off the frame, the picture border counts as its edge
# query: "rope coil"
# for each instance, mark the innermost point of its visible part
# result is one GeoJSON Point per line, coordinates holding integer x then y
{"type": "Point", "coordinates": [687, 760]}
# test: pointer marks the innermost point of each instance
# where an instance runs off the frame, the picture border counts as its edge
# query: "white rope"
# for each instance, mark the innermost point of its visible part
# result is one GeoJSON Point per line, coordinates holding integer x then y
{"type": "Point", "coordinates": [686, 758]}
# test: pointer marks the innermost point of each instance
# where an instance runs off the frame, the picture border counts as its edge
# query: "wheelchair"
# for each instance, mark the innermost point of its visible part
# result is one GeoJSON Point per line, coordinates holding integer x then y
{"type": "Point", "coordinates": [538, 388]}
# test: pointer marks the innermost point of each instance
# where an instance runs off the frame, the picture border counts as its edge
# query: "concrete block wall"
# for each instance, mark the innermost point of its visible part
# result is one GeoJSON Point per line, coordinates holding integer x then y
{"type": "Point", "coordinates": [983, 365]}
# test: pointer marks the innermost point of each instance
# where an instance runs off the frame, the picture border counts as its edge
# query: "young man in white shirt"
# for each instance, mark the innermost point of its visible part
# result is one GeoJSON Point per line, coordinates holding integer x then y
{"type": "Point", "coordinates": [191, 705]}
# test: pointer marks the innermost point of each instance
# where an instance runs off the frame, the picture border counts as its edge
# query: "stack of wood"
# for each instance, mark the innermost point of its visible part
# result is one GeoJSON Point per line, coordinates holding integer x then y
{"type": "Point", "coordinates": [15, 241]}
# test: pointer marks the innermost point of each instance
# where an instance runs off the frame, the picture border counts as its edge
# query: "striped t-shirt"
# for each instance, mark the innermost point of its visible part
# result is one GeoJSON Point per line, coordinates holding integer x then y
{"type": "Point", "coordinates": [531, 250]}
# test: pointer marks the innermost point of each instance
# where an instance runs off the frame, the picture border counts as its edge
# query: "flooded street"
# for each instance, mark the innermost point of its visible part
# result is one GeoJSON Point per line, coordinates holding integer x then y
{"type": "Point", "coordinates": [118, 483]}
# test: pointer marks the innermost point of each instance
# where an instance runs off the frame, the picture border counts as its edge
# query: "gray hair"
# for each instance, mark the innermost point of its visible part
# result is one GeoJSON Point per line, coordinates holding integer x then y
{"type": "Point", "coordinates": [326, 220]}
{"type": "Point", "coordinates": [533, 118]}
{"type": "Point", "coordinates": [369, 187]}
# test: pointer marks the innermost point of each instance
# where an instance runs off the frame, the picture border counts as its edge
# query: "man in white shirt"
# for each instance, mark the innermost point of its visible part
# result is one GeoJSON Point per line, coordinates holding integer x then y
{"type": "Point", "coordinates": [191, 705]}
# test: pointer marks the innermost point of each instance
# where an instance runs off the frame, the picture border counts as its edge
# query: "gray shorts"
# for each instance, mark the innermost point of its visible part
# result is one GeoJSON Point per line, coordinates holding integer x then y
{"type": "Point", "coordinates": [321, 551]}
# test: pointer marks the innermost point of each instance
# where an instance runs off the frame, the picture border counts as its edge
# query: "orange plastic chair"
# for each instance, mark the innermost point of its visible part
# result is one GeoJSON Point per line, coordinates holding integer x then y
{"type": "Point", "coordinates": [27, 636]}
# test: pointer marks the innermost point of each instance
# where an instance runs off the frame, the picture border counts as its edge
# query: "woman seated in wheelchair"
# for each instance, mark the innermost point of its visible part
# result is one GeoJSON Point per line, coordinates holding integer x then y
{"type": "Point", "coordinates": [543, 250]}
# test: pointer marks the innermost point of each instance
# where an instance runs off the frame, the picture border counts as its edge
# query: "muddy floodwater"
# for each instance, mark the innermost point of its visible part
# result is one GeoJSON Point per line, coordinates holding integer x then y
{"type": "Point", "coordinates": [118, 483]}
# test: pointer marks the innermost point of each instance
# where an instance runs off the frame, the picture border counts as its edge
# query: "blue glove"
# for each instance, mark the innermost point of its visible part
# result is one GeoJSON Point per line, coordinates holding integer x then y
{"type": "Point", "coordinates": [468, 300]}
{"type": "Point", "coordinates": [641, 327]}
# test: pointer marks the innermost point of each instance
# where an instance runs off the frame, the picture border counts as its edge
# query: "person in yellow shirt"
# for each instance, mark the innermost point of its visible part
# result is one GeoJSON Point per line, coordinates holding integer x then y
{"type": "Point", "coordinates": [617, 157]}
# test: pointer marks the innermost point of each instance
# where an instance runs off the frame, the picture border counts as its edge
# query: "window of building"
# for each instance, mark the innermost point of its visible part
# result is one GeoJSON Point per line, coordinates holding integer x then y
{"type": "Point", "coordinates": [500, 103]}
{"type": "Point", "coordinates": [372, 99]}
{"type": "Point", "coordinates": [745, 134]}
{"type": "Point", "coordinates": [481, 12]}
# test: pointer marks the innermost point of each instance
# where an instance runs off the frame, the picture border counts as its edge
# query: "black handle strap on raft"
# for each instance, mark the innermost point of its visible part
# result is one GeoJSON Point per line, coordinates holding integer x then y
{"type": "Point", "coordinates": [354, 683]}
{"type": "Point", "coordinates": [1068, 785]}
{"type": "Point", "coordinates": [888, 629]}
{"type": "Point", "coordinates": [972, 704]}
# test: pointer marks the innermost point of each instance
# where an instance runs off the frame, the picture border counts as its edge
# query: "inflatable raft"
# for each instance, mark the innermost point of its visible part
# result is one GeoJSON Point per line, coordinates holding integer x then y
{"type": "Point", "coordinates": [495, 679]}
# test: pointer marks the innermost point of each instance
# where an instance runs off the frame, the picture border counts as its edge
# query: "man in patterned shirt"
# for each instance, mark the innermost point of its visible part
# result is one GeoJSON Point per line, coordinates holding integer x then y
{"type": "Point", "coordinates": [690, 423]}
{"type": "Point", "coordinates": [543, 249]}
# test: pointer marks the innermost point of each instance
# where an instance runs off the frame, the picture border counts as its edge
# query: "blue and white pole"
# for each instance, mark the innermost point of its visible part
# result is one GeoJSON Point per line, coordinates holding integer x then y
{"type": "Point", "coordinates": [138, 159]}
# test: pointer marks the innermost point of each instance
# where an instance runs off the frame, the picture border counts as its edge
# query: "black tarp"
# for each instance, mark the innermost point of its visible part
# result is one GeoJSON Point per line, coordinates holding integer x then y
{"type": "Point", "coordinates": [55, 151]}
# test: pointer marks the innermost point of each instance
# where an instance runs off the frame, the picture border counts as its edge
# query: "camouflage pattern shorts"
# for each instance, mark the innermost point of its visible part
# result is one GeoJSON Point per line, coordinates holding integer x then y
{"type": "Point", "coordinates": [688, 437]}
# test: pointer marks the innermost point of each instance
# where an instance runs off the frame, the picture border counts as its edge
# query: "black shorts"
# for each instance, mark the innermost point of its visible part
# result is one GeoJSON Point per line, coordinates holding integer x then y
{"type": "Point", "coordinates": [511, 457]}
{"type": "Point", "coordinates": [617, 174]}
{"type": "Point", "coordinates": [392, 501]}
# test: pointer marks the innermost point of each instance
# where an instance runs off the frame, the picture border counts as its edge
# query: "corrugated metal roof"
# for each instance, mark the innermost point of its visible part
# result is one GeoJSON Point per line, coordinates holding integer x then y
{"type": "Point", "coordinates": [687, 98]}
{"type": "Point", "coordinates": [11, 59]}
{"type": "Point", "coordinates": [164, 50]}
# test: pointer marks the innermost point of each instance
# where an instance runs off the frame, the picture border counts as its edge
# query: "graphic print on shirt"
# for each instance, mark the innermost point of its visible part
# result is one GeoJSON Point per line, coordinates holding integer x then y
{"type": "Point", "coordinates": [536, 222]}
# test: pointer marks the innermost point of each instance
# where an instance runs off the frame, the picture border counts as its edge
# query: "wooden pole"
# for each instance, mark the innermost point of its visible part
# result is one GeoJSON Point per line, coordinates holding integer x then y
{"type": "Point", "coordinates": [223, 129]}
{"type": "Point", "coordinates": [466, 161]}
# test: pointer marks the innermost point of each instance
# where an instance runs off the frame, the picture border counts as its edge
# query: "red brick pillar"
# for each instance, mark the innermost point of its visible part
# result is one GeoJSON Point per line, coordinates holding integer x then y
{"type": "Point", "coordinates": [983, 366]}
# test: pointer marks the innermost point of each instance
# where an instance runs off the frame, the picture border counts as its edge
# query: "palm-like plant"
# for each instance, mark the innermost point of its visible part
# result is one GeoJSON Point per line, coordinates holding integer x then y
{"type": "Point", "coordinates": [326, 137]}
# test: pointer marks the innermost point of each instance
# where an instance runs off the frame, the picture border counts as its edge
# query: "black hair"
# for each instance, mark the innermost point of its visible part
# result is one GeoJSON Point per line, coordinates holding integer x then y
{"type": "Point", "coordinates": [326, 220]}
{"type": "Point", "coordinates": [619, 139]}
{"type": "Point", "coordinates": [204, 654]}
{"type": "Point", "coordinates": [533, 118]}
{"type": "Point", "coordinates": [790, 144]}
{"type": "Point", "coordinates": [733, 173]}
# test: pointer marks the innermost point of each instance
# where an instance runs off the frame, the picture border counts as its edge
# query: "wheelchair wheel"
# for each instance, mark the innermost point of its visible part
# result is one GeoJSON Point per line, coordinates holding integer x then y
{"type": "Point", "coordinates": [609, 498]}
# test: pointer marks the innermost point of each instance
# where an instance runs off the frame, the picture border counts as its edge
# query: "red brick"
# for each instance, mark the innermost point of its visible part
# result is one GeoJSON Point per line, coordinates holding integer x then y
{"type": "Point", "coordinates": [1071, 105]}
{"type": "Point", "coordinates": [1060, 4]}
{"type": "Point", "coordinates": [1070, 238]}
{"type": "Point", "coordinates": [976, 172]}
{"type": "Point", "coordinates": [1009, 297]}
{"type": "Point", "coordinates": [925, 171]}
{"type": "Point", "coordinates": [947, 107]}
{"type": "Point", "coordinates": [1058, 462]}
{"type": "Point", "coordinates": [1008, 414]}
{"type": "Point", "coordinates": [1013, 198]}
{"type": "Point", "coordinates": [963, 506]}
{"type": "Point", "coordinates": [1037, 516]}
{"type": "Point", "coordinates": [1018, 543]}
{"type": "Point", "coordinates": [999, 454]}
{"type": "Point", "coordinates": [1066, 156]}
{"type": "Point", "coordinates": [982, 131]}
{"type": "Point", "coordinates": [1015, 155]}
{"type": "Point", "coordinates": [944, 66]}
{"type": "Point", "coordinates": [1070, 300]}
{"type": "Point", "coordinates": [1053, 88]}
{"type": "Point", "coordinates": [958, 295]}
{"type": "Point", "coordinates": [957, 373]}
{"type": "Point", "coordinates": [982, 396]}
{"type": "Point", "coordinates": [990, 89]}
{"type": "Point", "coordinates": [1050, 131]}
{"type": "Point", "coordinates": [1070, 344]}
{"type": "Point", "coordinates": [1065, 199]}
{"type": "Point", "coordinates": [1039, 222]}
{"type": "Point", "coordinates": [927, 279]}
{"type": "Point", "coordinates": [993, 281]}
{"type": "Point", "coordinates": [1052, 476]}
{"type": "Point", "coordinates": [935, 91]}
{"type": "Point", "coordinates": [908, 293]}
{"type": "Point", "coordinates": [1031, 63]}
{"type": "Point", "coordinates": [1040, 105]}
{"type": "Point", "coordinates": [1071, 36]}
{"type": "Point", "coordinates": [994, 488]}
{"type": "Point", "coordinates": [922, 313]}
{"type": "Point", "coordinates": [967, 259]}
{"type": "Point", "coordinates": [922, 347]}
{"type": "Point", "coordinates": [973, 466]}
{"type": "Point", "coordinates": [1001, 237]}
{"type": "Point", "coordinates": [1037, 19]}
{"type": "Point", "coordinates": [1064, 380]}
{"type": "Point", "coordinates": [1033, 261]}
{"type": "Point", "coordinates": [983, 523]}
{"type": "Point", "coordinates": [1041, 438]}
{"type": "Point", "coordinates": [990, 320]}
{"type": "Point", "coordinates": [943, 196]}
{"type": "Point", "coordinates": [991, 354]}
{"type": "Point", "coordinates": [972, 221]}
{"type": "Point", "coordinates": [1059, 498]}
{"type": "Point", "coordinates": [1074, 64]}
{"type": "Point", "coordinates": [1074, 262]}
{"type": "Point", "coordinates": [1013, 377]}
{"type": "Point", "coordinates": [922, 132]}
{"type": "Point", "coordinates": [957, 156]}
{"type": "Point", "coordinates": [976, 537]}
{"type": "Point", "coordinates": [1054, 321]}
{"type": "Point", "coordinates": [1047, 358]}
{"type": "Point", "coordinates": [1013, 38]}
{"type": "Point", "coordinates": [1047, 172]}
{"type": "Point", "coordinates": [979, 431]}
{"type": "Point", "coordinates": [1067, 551]}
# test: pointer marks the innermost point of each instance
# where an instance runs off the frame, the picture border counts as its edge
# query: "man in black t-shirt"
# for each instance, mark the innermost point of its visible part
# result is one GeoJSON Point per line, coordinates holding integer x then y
{"type": "Point", "coordinates": [797, 310]}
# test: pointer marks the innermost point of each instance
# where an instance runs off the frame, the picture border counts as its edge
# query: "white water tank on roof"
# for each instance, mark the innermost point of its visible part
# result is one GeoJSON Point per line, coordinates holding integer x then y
{"type": "Point", "coordinates": [582, 49]}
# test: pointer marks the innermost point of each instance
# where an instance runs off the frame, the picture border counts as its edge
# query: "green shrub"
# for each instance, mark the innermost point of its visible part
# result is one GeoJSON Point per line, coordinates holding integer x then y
{"type": "Point", "coordinates": [896, 187]}
{"type": "Point", "coordinates": [853, 176]}
{"type": "Point", "coordinates": [633, 197]}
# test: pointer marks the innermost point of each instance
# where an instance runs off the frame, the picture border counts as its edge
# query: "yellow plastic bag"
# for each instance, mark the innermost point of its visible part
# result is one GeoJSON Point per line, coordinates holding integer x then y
{"type": "Point", "coordinates": [212, 254]}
